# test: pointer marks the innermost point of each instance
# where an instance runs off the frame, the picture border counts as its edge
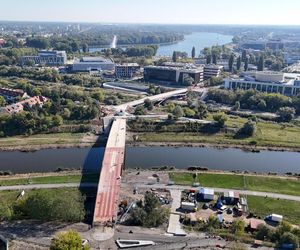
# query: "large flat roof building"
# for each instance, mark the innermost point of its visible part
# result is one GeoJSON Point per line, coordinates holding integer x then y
{"type": "Point", "coordinates": [172, 72]}
{"type": "Point", "coordinates": [270, 82]}
{"type": "Point", "coordinates": [126, 70]}
{"type": "Point", "coordinates": [87, 64]}
{"type": "Point", "coordinates": [46, 57]}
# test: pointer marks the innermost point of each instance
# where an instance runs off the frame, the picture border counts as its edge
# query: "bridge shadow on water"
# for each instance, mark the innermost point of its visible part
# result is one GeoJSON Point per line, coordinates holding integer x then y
{"type": "Point", "coordinates": [90, 176]}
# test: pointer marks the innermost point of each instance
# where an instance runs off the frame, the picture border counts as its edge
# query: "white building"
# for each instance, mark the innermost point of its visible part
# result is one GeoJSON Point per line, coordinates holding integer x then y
{"type": "Point", "coordinates": [270, 82]}
{"type": "Point", "coordinates": [212, 70]}
{"type": "Point", "coordinates": [46, 57]}
{"type": "Point", "coordinates": [87, 64]}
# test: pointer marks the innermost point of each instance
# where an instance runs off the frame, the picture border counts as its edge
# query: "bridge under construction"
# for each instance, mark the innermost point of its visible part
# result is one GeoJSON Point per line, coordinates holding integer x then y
{"type": "Point", "coordinates": [110, 178]}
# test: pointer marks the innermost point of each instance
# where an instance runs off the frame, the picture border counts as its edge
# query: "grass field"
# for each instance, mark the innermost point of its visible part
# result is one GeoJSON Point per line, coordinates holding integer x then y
{"type": "Point", "coordinates": [87, 178]}
{"type": "Point", "coordinates": [267, 134]}
{"type": "Point", "coordinates": [264, 206]}
{"type": "Point", "coordinates": [254, 183]}
{"type": "Point", "coordinates": [42, 139]}
{"type": "Point", "coordinates": [8, 197]}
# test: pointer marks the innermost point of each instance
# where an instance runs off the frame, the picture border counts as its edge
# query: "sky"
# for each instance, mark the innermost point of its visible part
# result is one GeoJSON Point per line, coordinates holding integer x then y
{"type": "Point", "coordinates": [274, 12]}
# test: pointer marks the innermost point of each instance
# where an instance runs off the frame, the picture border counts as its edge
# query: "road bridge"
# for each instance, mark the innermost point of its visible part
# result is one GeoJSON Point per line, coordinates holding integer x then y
{"type": "Point", "coordinates": [153, 98]}
{"type": "Point", "coordinates": [110, 178]}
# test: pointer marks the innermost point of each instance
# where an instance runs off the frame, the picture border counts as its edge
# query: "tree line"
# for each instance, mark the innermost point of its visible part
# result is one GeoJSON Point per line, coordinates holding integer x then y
{"type": "Point", "coordinates": [252, 99]}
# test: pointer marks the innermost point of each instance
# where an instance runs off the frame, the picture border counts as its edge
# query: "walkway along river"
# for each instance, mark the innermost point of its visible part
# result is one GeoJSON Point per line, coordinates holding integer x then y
{"type": "Point", "coordinates": [147, 157]}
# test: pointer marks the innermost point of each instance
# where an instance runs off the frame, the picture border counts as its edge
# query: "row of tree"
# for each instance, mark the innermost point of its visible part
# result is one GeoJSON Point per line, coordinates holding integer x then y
{"type": "Point", "coordinates": [252, 99]}
{"type": "Point", "coordinates": [48, 75]}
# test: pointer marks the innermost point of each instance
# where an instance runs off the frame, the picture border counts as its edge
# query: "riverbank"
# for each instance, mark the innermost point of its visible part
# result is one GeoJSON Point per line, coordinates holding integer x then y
{"type": "Point", "coordinates": [51, 141]}
{"type": "Point", "coordinates": [247, 148]}
{"type": "Point", "coordinates": [74, 176]}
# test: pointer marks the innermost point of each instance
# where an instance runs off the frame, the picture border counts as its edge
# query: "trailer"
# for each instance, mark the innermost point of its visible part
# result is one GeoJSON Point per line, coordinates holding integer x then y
{"type": "Point", "coordinates": [188, 206]}
{"type": "Point", "coordinates": [274, 217]}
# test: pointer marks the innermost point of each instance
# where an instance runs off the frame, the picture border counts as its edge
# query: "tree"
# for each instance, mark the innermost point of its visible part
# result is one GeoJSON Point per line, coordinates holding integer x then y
{"type": "Point", "coordinates": [286, 114]}
{"type": "Point", "coordinates": [289, 239]}
{"type": "Point", "coordinates": [238, 63]}
{"type": "Point", "coordinates": [139, 110]}
{"type": "Point", "coordinates": [263, 232]}
{"type": "Point", "coordinates": [261, 63]}
{"type": "Point", "coordinates": [148, 104]}
{"type": "Point", "coordinates": [214, 59]}
{"type": "Point", "coordinates": [220, 118]}
{"type": "Point", "coordinates": [212, 224]}
{"type": "Point", "coordinates": [214, 81]}
{"type": "Point", "coordinates": [193, 52]}
{"type": "Point", "coordinates": [85, 47]}
{"type": "Point", "coordinates": [171, 106]}
{"type": "Point", "coordinates": [189, 112]}
{"type": "Point", "coordinates": [47, 206]}
{"type": "Point", "coordinates": [237, 106]}
{"type": "Point", "coordinates": [237, 246]}
{"type": "Point", "coordinates": [178, 112]}
{"type": "Point", "coordinates": [174, 56]}
{"type": "Point", "coordinates": [230, 62]}
{"type": "Point", "coordinates": [99, 96]}
{"type": "Point", "coordinates": [206, 51]}
{"type": "Point", "coordinates": [244, 55]}
{"type": "Point", "coordinates": [188, 81]}
{"type": "Point", "coordinates": [5, 212]}
{"type": "Point", "coordinates": [248, 128]}
{"type": "Point", "coordinates": [238, 227]}
{"type": "Point", "coordinates": [208, 59]}
{"type": "Point", "coordinates": [201, 110]}
{"type": "Point", "coordinates": [262, 105]}
{"type": "Point", "coordinates": [246, 64]}
{"type": "Point", "coordinates": [149, 213]}
{"type": "Point", "coordinates": [68, 241]}
{"type": "Point", "coordinates": [74, 46]}
{"type": "Point", "coordinates": [57, 121]}
{"type": "Point", "coordinates": [37, 42]}
{"type": "Point", "coordinates": [2, 101]}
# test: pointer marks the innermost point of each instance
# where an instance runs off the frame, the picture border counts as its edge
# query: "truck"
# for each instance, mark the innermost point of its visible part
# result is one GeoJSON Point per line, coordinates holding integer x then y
{"type": "Point", "coordinates": [189, 206]}
{"type": "Point", "coordinates": [274, 217]}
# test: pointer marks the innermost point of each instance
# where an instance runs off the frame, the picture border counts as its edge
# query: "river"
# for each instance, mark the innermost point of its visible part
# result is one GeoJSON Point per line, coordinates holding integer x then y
{"type": "Point", "coordinates": [146, 157]}
{"type": "Point", "coordinates": [198, 39]}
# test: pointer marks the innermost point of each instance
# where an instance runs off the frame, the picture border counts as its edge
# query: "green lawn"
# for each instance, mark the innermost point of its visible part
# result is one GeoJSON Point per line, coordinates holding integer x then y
{"type": "Point", "coordinates": [254, 183]}
{"type": "Point", "coordinates": [267, 134]}
{"type": "Point", "coordinates": [8, 197]}
{"type": "Point", "coordinates": [87, 178]}
{"type": "Point", "coordinates": [264, 206]}
{"type": "Point", "coordinates": [42, 139]}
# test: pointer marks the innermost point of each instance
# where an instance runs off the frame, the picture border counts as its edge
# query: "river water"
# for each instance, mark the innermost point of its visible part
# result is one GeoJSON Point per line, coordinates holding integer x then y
{"type": "Point", "coordinates": [147, 157]}
{"type": "Point", "coordinates": [199, 39]}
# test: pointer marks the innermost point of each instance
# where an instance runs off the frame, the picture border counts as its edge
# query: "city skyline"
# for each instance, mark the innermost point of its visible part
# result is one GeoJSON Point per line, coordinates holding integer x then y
{"type": "Point", "coordinates": [169, 12]}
